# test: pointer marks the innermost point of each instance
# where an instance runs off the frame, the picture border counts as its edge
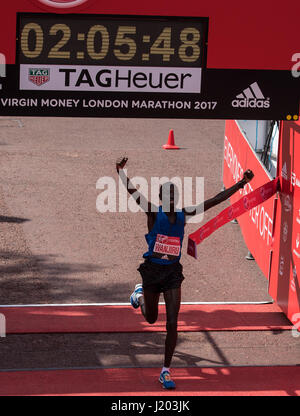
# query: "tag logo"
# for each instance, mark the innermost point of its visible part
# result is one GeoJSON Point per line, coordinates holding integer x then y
{"type": "Point", "coordinates": [39, 76]}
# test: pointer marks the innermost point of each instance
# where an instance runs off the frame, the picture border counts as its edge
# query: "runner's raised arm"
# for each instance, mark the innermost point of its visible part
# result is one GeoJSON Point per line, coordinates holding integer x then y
{"type": "Point", "coordinates": [220, 197]}
{"type": "Point", "coordinates": [139, 198]}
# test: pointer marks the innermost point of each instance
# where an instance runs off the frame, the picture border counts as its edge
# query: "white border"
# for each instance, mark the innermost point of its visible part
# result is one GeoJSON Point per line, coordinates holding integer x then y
{"type": "Point", "coordinates": [43, 305]}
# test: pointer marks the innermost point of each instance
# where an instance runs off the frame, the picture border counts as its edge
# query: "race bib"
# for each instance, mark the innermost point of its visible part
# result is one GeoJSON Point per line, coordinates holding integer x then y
{"type": "Point", "coordinates": [167, 245]}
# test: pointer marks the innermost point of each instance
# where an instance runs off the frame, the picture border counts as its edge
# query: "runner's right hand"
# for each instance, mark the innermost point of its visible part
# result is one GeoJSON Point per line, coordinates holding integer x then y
{"type": "Point", "coordinates": [248, 175]}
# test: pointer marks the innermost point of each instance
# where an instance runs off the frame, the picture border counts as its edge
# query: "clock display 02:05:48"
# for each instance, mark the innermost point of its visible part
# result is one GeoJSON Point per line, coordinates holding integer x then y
{"type": "Point", "coordinates": [140, 42]}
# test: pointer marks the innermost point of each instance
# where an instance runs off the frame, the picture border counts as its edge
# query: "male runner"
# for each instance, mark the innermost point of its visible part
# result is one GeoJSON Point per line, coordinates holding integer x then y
{"type": "Point", "coordinates": [161, 271]}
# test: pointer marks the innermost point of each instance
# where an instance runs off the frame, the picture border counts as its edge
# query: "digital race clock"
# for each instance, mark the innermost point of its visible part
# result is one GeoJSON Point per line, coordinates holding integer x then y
{"type": "Point", "coordinates": [99, 40]}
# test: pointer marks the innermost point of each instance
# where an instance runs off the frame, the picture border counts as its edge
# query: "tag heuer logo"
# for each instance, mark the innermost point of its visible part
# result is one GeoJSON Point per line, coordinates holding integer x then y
{"type": "Point", "coordinates": [39, 76]}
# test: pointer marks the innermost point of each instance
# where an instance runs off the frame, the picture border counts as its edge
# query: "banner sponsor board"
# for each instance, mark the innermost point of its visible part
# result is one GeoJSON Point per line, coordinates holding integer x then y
{"type": "Point", "coordinates": [147, 92]}
{"type": "Point", "coordinates": [256, 226]}
{"type": "Point", "coordinates": [284, 284]}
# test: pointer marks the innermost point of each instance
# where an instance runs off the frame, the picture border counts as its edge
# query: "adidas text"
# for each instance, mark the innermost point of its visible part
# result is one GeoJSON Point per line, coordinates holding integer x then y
{"type": "Point", "coordinates": [251, 103]}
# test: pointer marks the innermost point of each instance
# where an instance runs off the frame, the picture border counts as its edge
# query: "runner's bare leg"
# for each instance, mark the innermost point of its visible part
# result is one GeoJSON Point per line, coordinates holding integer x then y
{"type": "Point", "coordinates": [149, 306]}
{"type": "Point", "coordinates": [172, 300]}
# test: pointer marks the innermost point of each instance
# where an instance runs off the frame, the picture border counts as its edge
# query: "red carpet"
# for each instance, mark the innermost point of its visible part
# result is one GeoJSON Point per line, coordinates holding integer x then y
{"type": "Point", "coordinates": [230, 381]}
{"type": "Point", "coordinates": [125, 319]}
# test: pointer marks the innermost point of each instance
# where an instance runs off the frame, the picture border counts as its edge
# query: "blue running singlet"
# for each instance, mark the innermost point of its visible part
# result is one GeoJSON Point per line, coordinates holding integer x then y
{"type": "Point", "coordinates": [165, 238]}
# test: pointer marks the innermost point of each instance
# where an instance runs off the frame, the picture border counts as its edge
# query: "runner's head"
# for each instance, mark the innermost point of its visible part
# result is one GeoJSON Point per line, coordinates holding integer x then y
{"type": "Point", "coordinates": [168, 194]}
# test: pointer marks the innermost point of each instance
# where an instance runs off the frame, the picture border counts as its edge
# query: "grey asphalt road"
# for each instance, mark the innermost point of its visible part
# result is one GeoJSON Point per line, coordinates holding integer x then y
{"type": "Point", "coordinates": [60, 249]}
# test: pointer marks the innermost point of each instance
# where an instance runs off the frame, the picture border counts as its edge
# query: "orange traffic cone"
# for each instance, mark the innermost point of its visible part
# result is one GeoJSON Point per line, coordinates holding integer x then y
{"type": "Point", "coordinates": [171, 142]}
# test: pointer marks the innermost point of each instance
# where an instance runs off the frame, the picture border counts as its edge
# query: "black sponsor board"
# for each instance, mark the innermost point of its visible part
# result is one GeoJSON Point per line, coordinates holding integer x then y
{"type": "Point", "coordinates": [224, 94]}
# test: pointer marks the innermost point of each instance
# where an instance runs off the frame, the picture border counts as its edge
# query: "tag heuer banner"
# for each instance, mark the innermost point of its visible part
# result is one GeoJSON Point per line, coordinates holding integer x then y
{"type": "Point", "coordinates": [92, 91]}
{"type": "Point", "coordinates": [91, 65]}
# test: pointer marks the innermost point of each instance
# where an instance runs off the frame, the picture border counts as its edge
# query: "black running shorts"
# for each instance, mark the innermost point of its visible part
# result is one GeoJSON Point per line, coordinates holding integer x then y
{"type": "Point", "coordinates": [158, 278]}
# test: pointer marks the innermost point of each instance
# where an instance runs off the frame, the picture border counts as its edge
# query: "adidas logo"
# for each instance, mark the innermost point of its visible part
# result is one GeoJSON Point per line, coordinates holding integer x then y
{"type": "Point", "coordinates": [251, 97]}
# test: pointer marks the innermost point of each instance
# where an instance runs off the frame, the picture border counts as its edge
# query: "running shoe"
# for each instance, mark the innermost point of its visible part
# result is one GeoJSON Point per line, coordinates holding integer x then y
{"type": "Point", "coordinates": [133, 298]}
{"type": "Point", "coordinates": [166, 380]}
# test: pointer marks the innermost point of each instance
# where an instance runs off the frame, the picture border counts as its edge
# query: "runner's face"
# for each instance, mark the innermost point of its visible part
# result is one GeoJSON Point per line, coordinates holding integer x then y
{"type": "Point", "coordinates": [169, 197]}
